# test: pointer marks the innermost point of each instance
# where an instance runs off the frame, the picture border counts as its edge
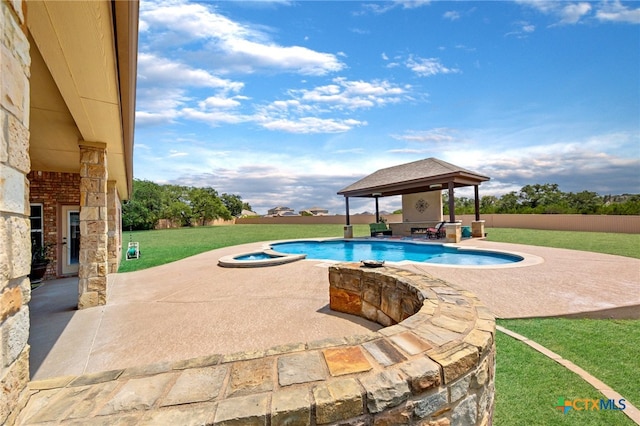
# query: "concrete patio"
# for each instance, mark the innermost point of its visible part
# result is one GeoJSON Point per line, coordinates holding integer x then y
{"type": "Point", "coordinates": [193, 307]}
{"type": "Point", "coordinates": [171, 327]}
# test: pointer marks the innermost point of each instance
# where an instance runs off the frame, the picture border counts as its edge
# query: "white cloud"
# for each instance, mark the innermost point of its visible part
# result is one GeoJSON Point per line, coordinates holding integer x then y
{"type": "Point", "coordinates": [236, 46]}
{"type": "Point", "coordinates": [384, 7]}
{"type": "Point", "coordinates": [452, 15]}
{"type": "Point", "coordinates": [439, 135]}
{"type": "Point", "coordinates": [572, 13]}
{"type": "Point", "coordinates": [311, 125]}
{"type": "Point", "coordinates": [412, 4]}
{"type": "Point", "coordinates": [352, 94]}
{"type": "Point", "coordinates": [523, 29]}
{"type": "Point", "coordinates": [266, 177]}
{"type": "Point", "coordinates": [155, 70]}
{"type": "Point", "coordinates": [173, 154]}
{"type": "Point", "coordinates": [576, 12]}
{"type": "Point", "coordinates": [426, 67]}
{"type": "Point", "coordinates": [213, 117]}
{"type": "Point", "coordinates": [616, 12]}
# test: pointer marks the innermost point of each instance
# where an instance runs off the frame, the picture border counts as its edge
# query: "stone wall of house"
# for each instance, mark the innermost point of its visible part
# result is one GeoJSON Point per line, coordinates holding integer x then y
{"type": "Point", "coordinates": [53, 190]}
{"type": "Point", "coordinates": [15, 241]}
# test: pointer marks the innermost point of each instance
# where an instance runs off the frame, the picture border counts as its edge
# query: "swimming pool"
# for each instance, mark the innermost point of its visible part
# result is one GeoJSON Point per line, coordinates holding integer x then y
{"type": "Point", "coordinates": [393, 251]}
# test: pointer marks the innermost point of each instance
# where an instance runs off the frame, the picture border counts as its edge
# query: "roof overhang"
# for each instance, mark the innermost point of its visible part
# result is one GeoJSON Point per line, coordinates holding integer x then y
{"type": "Point", "coordinates": [420, 176]}
{"type": "Point", "coordinates": [83, 84]}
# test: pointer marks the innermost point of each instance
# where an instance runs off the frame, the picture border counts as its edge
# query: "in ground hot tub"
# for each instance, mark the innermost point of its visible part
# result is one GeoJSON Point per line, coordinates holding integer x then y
{"type": "Point", "coordinates": [258, 259]}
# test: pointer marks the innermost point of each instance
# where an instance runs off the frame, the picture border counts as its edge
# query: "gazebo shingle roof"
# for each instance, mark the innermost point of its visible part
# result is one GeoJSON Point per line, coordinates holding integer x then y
{"type": "Point", "coordinates": [429, 174]}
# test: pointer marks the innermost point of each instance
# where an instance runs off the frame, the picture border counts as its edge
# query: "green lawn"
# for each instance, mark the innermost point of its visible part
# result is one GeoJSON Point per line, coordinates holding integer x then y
{"type": "Point", "coordinates": [168, 245]}
{"type": "Point", "coordinates": [608, 349]}
{"type": "Point", "coordinates": [528, 385]}
{"type": "Point", "coordinates": [600, 242]}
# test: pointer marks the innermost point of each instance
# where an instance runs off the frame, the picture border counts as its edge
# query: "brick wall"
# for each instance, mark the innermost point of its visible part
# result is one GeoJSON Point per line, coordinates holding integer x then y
{"type": "Point", "coordinates": [53, 190]}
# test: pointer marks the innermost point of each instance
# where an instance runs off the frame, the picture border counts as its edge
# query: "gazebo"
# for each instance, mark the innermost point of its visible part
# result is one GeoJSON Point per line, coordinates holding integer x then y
{"type": "Point", "coordinates": [420, 183]}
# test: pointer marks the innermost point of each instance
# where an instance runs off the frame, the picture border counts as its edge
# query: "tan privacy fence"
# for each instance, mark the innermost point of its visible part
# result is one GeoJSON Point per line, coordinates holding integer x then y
{"type": "Point", "coordinates": [560, 222]}
{"type": "Point", "coordinates": [556, 222]}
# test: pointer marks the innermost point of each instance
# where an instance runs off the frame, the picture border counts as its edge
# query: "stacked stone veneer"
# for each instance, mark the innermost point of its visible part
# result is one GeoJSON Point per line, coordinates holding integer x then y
{"type": "Point", "coordinates": [15, 241]}
{"type": "Point", "coordinates": [114, 225]}
{"type": "Point", "coordinates": [53, 190]}
{"type": "Point", "coordinates": [433, 365]}
{"type": "Point", "coordinates": [93, 270]}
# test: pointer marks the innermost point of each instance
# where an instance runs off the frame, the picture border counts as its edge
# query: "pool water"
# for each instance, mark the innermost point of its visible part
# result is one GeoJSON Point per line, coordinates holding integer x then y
{"type": "Point", "coordinates": [393, 251]}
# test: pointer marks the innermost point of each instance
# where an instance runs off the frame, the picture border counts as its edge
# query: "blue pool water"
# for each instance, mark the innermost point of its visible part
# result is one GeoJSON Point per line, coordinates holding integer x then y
{"type": "Point", "coordinates": [392, 251]}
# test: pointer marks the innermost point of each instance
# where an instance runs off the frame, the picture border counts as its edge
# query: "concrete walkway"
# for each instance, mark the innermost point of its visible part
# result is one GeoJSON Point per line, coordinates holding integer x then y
{"type": "Point", "coordinates": [192, 308]}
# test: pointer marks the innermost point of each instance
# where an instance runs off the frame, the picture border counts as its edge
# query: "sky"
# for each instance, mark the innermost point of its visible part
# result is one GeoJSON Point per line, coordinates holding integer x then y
{"type": "Point", "coordinates": [284, 103]}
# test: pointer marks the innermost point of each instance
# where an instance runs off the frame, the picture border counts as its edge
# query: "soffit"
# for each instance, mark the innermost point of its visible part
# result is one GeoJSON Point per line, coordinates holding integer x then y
{"type": "Point", "coordinates": [77, 47]}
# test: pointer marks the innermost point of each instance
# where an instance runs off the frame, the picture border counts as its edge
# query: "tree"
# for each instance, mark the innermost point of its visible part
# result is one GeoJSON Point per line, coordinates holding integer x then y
{"type": "Point", "coordinates": [585, 202]}
{"type": "Point", "coordinates": [488, 204]}
{"type": "Point", "coordinates": [233, 203]}
{"type": "Point", "coordinates": [537, 196]}
{"type": "Point", "coordinates": [205, 205]}
{"type": "Point", "coordinates": [508, 203]}
{"type": "Point", "coordinates": [145, 206]}
{"type": "Point", "coordinates": [150, 202]}
{"type": "Point", "coordinates": [176, 204]}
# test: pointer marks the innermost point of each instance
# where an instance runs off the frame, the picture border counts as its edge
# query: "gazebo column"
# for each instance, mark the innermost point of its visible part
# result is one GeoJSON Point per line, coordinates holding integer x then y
{"type": "Point", "coordinates": [92, 274]}
{"type": "Point", "coordinates": [453, 229]}
{"type": "Point", "coordinates": [377, 209]}
{"type": "Point", "coordinates": [477, 226]}
{"type": "Point", "coordinates": [348, 229]}
{"type": "Point", "coordinates": [452, 204]}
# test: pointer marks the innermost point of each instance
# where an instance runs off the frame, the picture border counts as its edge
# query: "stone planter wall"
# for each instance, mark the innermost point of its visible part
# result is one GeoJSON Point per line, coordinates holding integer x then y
{"type": "Point", "coordinates": [433, 365]}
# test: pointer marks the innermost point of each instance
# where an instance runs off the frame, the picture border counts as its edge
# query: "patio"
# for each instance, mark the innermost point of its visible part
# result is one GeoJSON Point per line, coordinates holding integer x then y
{"type": "Point", "coordinates": [193, 308]}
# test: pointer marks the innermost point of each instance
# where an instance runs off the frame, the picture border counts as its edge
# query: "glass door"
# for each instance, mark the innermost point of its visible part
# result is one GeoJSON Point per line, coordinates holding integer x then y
{"type": "Point", "coordinates": [70, 240]}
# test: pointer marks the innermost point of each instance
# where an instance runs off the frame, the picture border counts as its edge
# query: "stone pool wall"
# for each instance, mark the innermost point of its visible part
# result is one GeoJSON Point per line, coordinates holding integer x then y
{"type": "Point", "coordinates": [433, 364]}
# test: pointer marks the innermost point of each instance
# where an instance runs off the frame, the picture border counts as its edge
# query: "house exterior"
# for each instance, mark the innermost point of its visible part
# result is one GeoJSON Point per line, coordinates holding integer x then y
{"type": "Point", "coordinates": [67, 111]}
{"type": "Point", "coordinates": [315, 211]}
{"type": "Point", "coordinates": [281, 211]}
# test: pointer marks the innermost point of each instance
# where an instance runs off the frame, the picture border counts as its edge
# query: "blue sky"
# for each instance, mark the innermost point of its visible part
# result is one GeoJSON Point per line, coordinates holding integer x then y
{"type": "Point", "coordinates": [285, 103]}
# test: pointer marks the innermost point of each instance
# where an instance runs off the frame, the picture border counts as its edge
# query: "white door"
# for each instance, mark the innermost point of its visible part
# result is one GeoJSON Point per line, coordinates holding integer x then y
{"type": "Point", "coordinates": [70, 239]}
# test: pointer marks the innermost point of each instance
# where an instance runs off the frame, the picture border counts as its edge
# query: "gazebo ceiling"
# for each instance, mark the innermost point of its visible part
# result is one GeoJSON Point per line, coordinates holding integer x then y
{"type": "Point", "coordinates": [430, 174]}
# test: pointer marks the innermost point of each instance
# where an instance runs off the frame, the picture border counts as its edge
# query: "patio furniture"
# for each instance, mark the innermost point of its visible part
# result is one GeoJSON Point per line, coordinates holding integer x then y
{"type": "Point", "coordinates": [436, 232]}
{"type": "Point", "coordinates": [377, 229]}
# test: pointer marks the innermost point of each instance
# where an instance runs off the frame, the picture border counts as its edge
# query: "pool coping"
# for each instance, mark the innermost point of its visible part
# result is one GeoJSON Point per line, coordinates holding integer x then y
{"type": "Point", "coordinates": [282, 258]}
{"type": "Point", "coordinates": [275, 258]}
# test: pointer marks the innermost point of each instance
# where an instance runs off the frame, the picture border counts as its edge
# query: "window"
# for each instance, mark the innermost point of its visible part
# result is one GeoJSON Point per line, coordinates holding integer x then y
{"type": "Point", "coordinates": [37, 231]}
